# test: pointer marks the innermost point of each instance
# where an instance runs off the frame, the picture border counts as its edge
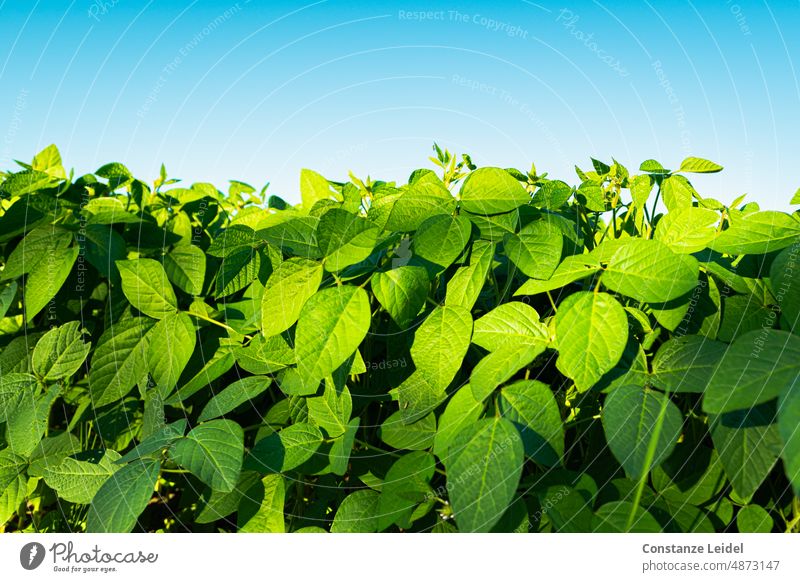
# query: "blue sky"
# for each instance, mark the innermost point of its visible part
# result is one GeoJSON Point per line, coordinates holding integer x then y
{"type": "Point", "coordinates": [257, 90]}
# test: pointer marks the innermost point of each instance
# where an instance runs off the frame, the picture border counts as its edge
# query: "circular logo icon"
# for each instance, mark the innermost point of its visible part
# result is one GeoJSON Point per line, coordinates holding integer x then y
{"type": "Point", "coordinates": [31, 555]}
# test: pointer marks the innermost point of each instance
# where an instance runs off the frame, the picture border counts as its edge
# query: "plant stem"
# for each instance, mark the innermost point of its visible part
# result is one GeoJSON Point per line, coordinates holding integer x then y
{"type": "Point", "coordinates": [209, 320]}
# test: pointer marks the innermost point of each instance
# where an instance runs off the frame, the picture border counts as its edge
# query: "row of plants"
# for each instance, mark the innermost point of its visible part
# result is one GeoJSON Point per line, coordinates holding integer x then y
{"type": "Point", "coordinates": [480, 349]}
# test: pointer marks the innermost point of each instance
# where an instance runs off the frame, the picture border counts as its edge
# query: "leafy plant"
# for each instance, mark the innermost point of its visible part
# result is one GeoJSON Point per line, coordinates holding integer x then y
{"type": "Point", "coordinates": [489, 350]}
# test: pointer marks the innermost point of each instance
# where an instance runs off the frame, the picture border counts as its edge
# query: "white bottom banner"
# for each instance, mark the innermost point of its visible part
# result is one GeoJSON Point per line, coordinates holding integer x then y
{"type": "Point", "coordinates": [331, 558]}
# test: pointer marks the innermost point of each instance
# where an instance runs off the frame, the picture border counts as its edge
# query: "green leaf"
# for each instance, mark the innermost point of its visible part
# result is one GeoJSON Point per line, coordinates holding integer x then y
{"type": "Point", "coordinates": [345, 239]}
{"type": "Point", "coordinates": [233, 396]}
{"type": "Point", "coordinates": [631, 418]}
{"type": "Point", "coordinates": [461, 411]}
{"type": "Point", "coordinates": [60, 352]}
{"type": "Point", "coordinates": [145, 284]}
{"type": "Point", "coordinates": [119, 361]}
{"type": "Point", "coordinates": [499, 366]}
{"type": "Point", "coordinates": [648, 270]}
{"type": "Point", "coordinates": [613, 518]}
{"type": "Point", "coordinates": [536, 250]}
{"type": "Point", "coordinates": [758, 233]}
{"type": "Point", "coordinates": [688, 230]}
{"type": "Point", "coordinates": [552, 194]}
{"type": "Point", "coordinates": [416, 436]}
{"type": "Point", "coordinates": [261, 510]}
{"type": "Point", "coordinates": [592, 331]}
{"type": "Point", "coordinates": [402, 292]}
{"type": "Point", "coordinates": [466, 284]}
{"type": "Point", "coordinates": [405, 487]}
{"type": "Point", "coordinates": [170, 345]}
{"type": "Point", "coordinates": [155, 442]}
{"type": "Point", "coordinates": [27, 422]}
{"type": "Point", "coordinates": [185, 266]}
{"type": "Point", "coordinates": [754, 519]}
{"type": "Point", "coordinates": [286, 449]}
{"type": "Point", "coordinates": [492, 191]}
{"type": "Point", "coordinates": [441, 343]}
{"type": "Point", "coordinates": [571, 269]}
{"type": "Point", "coordinates": [332, 410]}
{"type": "Point", "coordinates": [332, 324]}
{"type": "Point", "coordinates": [484, 465]}
{"type": "Point", "coordinates": [699, 166]}
{"type": "Point", "coordinates": [46, 279]}
{"type": "Point", "coordinates": [123, 497]}
{"type": "Point", "coordinates": [405, 211]}
{"type": "Point", "coordinates": [533, 409]}
{"type": "Point", "coordinates": [677, 192]}
{"type": "Point", "coordinates": [357, 513]}
{"type": "Point", "coordinates": [757, 367]}
{"type": "Point", "coordinates": [788, 413]}
{"type": "Point", "coordinates": [686, 363]}
{"type": "Point", "coordinates": [441, 239]}
{"type": "Point", "coordinates": [749, 445]}
{"type": "Point", "coordinates": [784, 281]}
{"type": "Point", "coordinates": [79, 481]}
{"type": "Point", "coordinates": [294, 236]}
{"type": "Point", "coordinates": [510, 324]}
{"type": "Point", "coordinates": [342, 447]}
{"type": "Point", "coordinates": [653, 167]}
{"type": "Point", "coordinates": [286, 292]}
{"type": "Point", "coordinates": [49, 161]}
{"type": "Point", "coordinates": [213, 452]}
{"type": "Point", "coordinates": [313, 188]}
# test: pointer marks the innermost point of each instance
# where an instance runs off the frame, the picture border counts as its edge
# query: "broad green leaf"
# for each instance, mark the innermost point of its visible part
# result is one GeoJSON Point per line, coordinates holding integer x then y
{"type": "Point", "coordinates": [27, 422]}
{"type": "Point", "coordinates": [294, 236]}
{"type": "Point", "coordinates": [60, 352]}
{"type": "Point", "coordinates": [313, 188]}
{"type": "Point", "coordinates": [492, 191]}
{"type": "Point", "coordinates": [688, 230]}
{"type": "Point", "coordinates": [233, 396]}
{"type": "Point", "coordinates": [753, 519]}
{"type": "Point", "coordinates": [571, 269]}
{"type": "Point", "coordinates": [653, 167]}
{"type": "Point", "coordinates": [402, 292]}
{"type": "Point", "coordinates": [466, 284]}
{"type": "Point", "coordinates": [261, 509]}
{"type": "Point", "coordinates": [147, 287]}
{"type": "Point", "coordinates": [416, 436]}
{"type": "Point", "coordinates": [441, 343]}
{"type": "Point", "coordinates": [46, 279]}
{"type": "Point", "coordinates": [511, 324]}
{"type": "Point", "coordinates": [119, 361]}
{"type": "Point", "coordinates": [358, 513]}
{"type": "Point", "coordinates": [648, 270]}
{"type": "Point", "coordinates": [784, 281]}
{"type": "Point", "coordinates": [13, 387]}
{"type": "Point", "coordinates": [758, 233]}
{"type": "Point", "coordinates": [185, 266]}
{"type": "Point", "coordinates": [677, 192]}
{"type": "Point", "coordinates": [640, 425]}
{"type": "Point", "coordinates": [641, 186]}
{"type": "Point", "coordinates": [238, 270]}
{"type": "Point", "coordinates": [552, 195]}
{"type": "Point", "coordinates": [155, 442]}
{"type": "Point", "coordinates": [342, 447]}
{"type": "Point", "coordinates": [461, 411]}
{"type": "Point", "coordinates": [170, 345]}
{"type": "Point", "coordinates": [123, 497]}
{"type": "Point", "coordinates": [405, 487]}
{"type": "Point", "coordinates": [286, 292]}
{"type": "Point", "coordinates": [686, 363]}
{"type": "Point", "coordinates": [533, 409]}
{"type": "Point", "coordinates": [749, 445]}
{"type": "Point", "coordinates": [332, 324]}
{"type": "Point", "coordinates": [418, 395]}
{"type": "Point", "coordinates": [441, 239]}
{"type": "Point", "coordinates": [217, 505]}
{"type": "Point", "coordinates": [37, 247]}
{"type": "Point", "coordinates": [757, 367]}
{"type": "Point", "coordinates": [613, 518]}
{"type": "Point", "coordinates": [592, 331]}
{"type": "Point", "coordinates": [484, 465]}
{"type": "Point", "coordinates": [213, 452]}
{"type": "Point", "coordinates": [405, 211]}
{"type": "Point", "coordinates": [345, 239]}
{"type": "Point", "coordinates": [499, 366]}
{"type": "Point", "coordinates": [49, 161]}
{"type": "Point", "coordinates": [536, 250]}
{"type": "Point", "coordinates": [699, 166]}
{"type": "Point", "coordinates": [286, 449]}
{"type": "Point", "coordinates": [332, 410]}
{"type": "Point", "coordinates": [78, 481]}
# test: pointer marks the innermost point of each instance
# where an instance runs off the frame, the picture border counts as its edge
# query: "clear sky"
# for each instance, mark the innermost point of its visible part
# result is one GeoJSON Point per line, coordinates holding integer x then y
{"type": "Point", "coordinates": [257, 90]}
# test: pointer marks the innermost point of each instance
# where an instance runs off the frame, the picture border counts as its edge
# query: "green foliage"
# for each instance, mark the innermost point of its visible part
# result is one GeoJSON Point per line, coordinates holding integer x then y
{"type": "Point", "coordinates": [482, 350]}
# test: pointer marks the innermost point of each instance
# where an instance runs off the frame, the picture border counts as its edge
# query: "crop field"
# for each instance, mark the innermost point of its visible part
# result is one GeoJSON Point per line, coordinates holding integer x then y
{"type": "Point", "coordinates": [479, 350]}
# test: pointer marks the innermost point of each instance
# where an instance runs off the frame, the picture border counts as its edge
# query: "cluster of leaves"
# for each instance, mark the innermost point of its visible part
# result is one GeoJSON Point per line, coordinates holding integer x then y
{"type": "Point", "coordinates": [485, 350]}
